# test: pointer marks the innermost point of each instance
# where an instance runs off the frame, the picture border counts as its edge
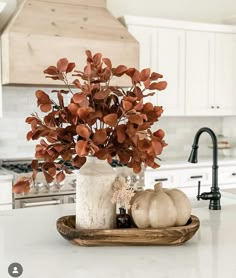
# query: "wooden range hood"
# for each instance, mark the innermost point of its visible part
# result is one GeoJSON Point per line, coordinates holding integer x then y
{"type": "Point", "coordinates": [43, 31]}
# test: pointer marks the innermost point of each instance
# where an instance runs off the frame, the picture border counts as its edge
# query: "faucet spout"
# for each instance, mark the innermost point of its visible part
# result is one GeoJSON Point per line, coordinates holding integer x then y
{"type": "Point", "coordinates": [214, 195]}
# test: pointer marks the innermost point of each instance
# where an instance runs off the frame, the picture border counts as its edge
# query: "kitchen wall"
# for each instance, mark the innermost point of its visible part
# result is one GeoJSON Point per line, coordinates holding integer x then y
{"type": "Point", "coordinates": [20, 102]}
{"type": "Point", "coordinates": [229, 130]}
{"type": "Point", "coordinates": [180, 132]}
{"type": "Point", "coordinates": [215, 11]}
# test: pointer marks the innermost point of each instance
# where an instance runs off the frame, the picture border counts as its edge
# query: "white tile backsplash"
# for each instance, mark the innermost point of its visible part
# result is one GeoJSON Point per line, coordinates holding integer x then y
{"type": "Point", "coordinates": [20, 102]}
{"type": "Point", "coordinates": [229, 131]}
{"type": "Point", "coordinates": [180, 132]}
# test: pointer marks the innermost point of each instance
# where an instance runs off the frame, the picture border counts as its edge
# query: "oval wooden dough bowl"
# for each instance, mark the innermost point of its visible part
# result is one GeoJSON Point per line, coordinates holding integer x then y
{"type": "Point", "coordinates": [133, 236]}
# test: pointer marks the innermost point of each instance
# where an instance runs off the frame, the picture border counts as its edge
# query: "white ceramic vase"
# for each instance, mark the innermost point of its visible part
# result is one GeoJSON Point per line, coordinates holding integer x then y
{"type": "Point", "coordinates": [94, 209]}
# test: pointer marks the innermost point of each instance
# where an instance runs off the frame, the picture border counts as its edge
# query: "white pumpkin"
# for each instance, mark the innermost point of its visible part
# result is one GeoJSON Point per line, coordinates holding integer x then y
{"type": "Point", "coordinates": [160, 208]}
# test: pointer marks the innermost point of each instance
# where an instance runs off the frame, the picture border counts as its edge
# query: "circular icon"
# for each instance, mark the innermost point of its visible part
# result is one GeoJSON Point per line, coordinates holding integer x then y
{"type": "Point", "coordinates": [15, 270]}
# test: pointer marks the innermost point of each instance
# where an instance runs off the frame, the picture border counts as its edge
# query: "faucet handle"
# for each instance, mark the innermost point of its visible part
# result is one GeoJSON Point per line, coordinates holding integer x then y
{"type": "Point", "coordinates": [198, 190]}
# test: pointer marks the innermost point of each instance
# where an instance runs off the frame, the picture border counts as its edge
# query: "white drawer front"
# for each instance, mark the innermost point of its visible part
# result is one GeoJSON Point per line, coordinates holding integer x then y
{"type": "Point", "coordinates": [191, 177]}
{"type": "Point", "coordinates": [165, 177]}
{"type": "Point", "coordinates": [227, 175]}
{"type": "Point", "coordinates": [5, 192]}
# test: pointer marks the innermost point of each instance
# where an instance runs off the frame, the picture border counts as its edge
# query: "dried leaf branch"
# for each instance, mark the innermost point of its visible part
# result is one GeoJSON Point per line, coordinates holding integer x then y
{"type": "Point", "coordinates": [100, 119]}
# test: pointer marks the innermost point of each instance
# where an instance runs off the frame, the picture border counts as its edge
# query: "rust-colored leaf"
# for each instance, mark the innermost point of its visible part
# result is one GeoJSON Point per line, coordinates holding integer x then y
{"type": "Point", "coordinates": [48, 177]}
{"type": "Point", "coordinates": [130, 99]}
{"type": "Point", "coordinates": [51, 70]}
{"type": "Point", "coordinates": [139, 105]}
{"type": "Point", "coordinates": [144, 74]}
{"type": "Point", "coordinates": [136, 119]}
{"type": "Point", "coordinates": [60, 176]}
{"type": "Point", "coordinates": [144, 144]}
{"type": "Point", "coordinates": [78, 161]}
{"type": "Point", "coordinates": [46, 107]}
{"type": "Point", "coordinates": [102, 94]}
{"type": "Point", "coordinates": [88, 70]}
{"type": "Point", "coordinates": [136, 77]}
{"type": "Point", "coordinates": [97, 58]}
{"type": "Point", "coordinates": [110, 119]}
{"type": "Point", "coordinates": [124, 156]}
{"type": "Point", "coordinates": [42, 97]}
{"type": "Point", "coordinates": [120, 70]}
{"type": "Point", "coordinates": [77, 83]}
{"type": "Point", "coordinates": [70, 67]}
{"type": "Point", "coordinates": [62, 65]}
{"type": "Point", "coordinates": [155, 76]}
{"type": "Point", "coordinates": [22, 185]}
{"type": "Point", "coordinates": [83, 131]}
{"type": "Point", "coordinates": [78, 97]}
{"type": "Point", "coordinates": [89, 54]}
{"type": "Point", "coordinates": [158, 110]}
{"type": "Point", "coordinates": [127, 105]}
{"type": "Point", "coordinates": [157, 147]}
{"type": "Point", "coordinates": [121, 135]}
{"type": "Point", "coordinates": [29, 135]}
{"type": "Point", "coordinates": [60, 99]}
{"type": "Point", "coordinates": [82, 113]}
{"type": "Point", "coordinates": [58, 147]}
{"type": "Point", "coordinates": [73, 108]}
{"type": "Point", "coordinates": [102, 154]}
{"type": "Point", "coordinates": [138, 92]}
{"type": "Point", "coordinates": [159, 133]}
{"type": "Point", "coordinates": [81, 148]}
{"type": "Point", "coordinates": [107, 62]}
{"type": "Point", "coordinates": [158, 86]}
{"type": "Point", "coordinates": [35, 164]}
{"type": "Point", "coordinates": [130, 72]}
{"type": "Point", "coordinates": [100, 136]}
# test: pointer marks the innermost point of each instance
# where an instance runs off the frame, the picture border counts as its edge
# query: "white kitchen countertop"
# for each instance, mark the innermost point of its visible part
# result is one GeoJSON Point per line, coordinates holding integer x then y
{"type": "Point", "coordinates": [29, 237]}
{"type": "Point", "coordinates": [182, 162]}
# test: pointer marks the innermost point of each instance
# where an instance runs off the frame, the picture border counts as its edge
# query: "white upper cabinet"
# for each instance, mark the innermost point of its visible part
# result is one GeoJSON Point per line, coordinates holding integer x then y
{"type": "Point", "coordinates": [199, 76]}
{"type": "Point", "coordinates": [146, 40]}
{"type": "Point", "coordinates": [0, 82]}
{"type": "Point", "coordinates": [210, 72]}
{"type": "Point", "coordinates": [162, 50]}
{"type": "Point", "coordinates": [225, 74]}
{"type": "Point", "coordinates": [197, 60]}
{"type": "Point", "coordinates": [170, 50]}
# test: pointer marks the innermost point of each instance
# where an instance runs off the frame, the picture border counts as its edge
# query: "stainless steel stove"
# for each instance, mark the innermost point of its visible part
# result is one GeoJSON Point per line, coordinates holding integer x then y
{"type": "Point", "coordinates": [41, 193]}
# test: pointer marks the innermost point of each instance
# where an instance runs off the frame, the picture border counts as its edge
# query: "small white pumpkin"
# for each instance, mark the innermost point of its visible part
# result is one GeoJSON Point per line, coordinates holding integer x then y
{"type": "Point", "coordinates": [160, 208]}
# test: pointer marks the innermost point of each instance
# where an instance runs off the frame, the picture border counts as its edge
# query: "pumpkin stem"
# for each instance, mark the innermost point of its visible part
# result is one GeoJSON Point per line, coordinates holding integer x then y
{"type": "Point", "coordinates": [158, 186]}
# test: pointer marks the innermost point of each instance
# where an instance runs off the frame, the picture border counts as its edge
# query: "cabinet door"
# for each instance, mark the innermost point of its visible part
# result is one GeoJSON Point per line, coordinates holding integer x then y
{"type": "Point", "coordinates": [5, 192]}
{"type": "Point", "coordinates": [199, 73]}
{"type": "Point", "coordinates": [225, 72]}
{"type": "Point", "coordinates": [145, 37]}
{"type": "Point", "coordinates": [147, 41]}
{"type": "Point", "coordinates": [169, 51]}
{"type": "Point", "coordinates": [0, 82]}
{"type": "Point", "coordinates": [167, 178]}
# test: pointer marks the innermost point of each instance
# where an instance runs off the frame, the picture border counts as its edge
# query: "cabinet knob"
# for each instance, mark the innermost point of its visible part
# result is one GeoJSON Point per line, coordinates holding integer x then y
{"type": "Point", "coordinates": [212, 107]}
{"type": "Point", "coordinates": [217, 107]}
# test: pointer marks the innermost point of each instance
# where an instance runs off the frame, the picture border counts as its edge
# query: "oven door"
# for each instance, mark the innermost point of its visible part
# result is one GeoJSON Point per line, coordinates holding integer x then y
{"type": "Point", "coordinates": [42, 201]}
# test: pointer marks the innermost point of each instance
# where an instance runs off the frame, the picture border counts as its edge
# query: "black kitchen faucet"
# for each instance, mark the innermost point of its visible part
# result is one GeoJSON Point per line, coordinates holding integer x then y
{"type": "Point", "coordinates": [214, 195]}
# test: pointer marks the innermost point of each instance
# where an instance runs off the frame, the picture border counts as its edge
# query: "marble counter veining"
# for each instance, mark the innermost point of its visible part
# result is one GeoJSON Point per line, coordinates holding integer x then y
{"type": "Point", "coordinates": [29, 236]}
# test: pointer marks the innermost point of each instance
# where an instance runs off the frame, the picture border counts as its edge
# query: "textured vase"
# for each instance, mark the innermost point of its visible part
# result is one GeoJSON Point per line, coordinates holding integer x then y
{"type": "Point", "coordinates": [94, 209]}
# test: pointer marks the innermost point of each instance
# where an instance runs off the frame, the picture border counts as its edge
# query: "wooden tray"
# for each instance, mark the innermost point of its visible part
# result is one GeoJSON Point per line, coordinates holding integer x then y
{"type": "Point", "coordinates": [132, 236]}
